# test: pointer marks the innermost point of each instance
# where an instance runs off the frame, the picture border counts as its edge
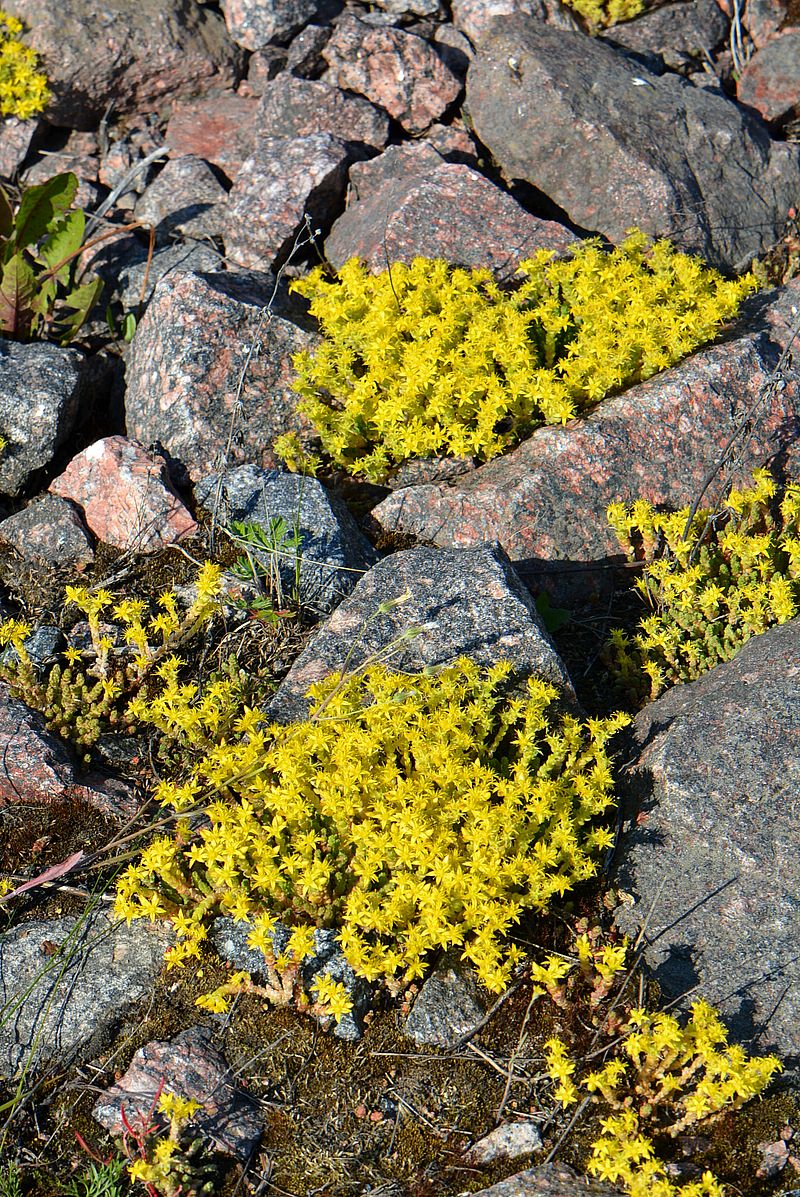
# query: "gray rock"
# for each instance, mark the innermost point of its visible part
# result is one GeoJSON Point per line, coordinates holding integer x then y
{"type": "Point", "coordinates": [255, 24]}
{"type": "Point", "coordinates": [131, 281]}
{"type": "Point", "coordinates": [548, 1180]}
{"type": "Point", "coordinates": [447, 1006]}
{"type": "Point", "coordinates": [66, 983]}
{"type": "Point", "coordinates": [49, 534]}
{"type": "Point", "coordinates": [43, 646]}
{"type": "Point", "coordinates": [678, 32]}
{"type": "Point", "coordinates": [293, 107]}
{"type": "Point", "coordinates": [332, 553]}
{"type": "Point", "coordinates": [286, 182]}
{"type": "Point", "coordinates": [506, 1142]}
{"type": "Point", "coordinates": [713, 861]}
{"type": "Point", "coordinates": [132, 53]}
{"type": "Point", "coordinates": [211, 360]}
{"type": "Point", "coordinates": [186, 199]}
{"type": "Point", "coordinates": [449, 211]}
{"type": "Point", "coordinates": [40, 399]}
{"type": "Point", "coordinates": [229, 939]}
{"type": "Point", "coordinates": [468, 601]}
{"type": "Point", "coordinates": [615, 145]}
{"type": "Point", "coordinates": [190, 1066]}
{"type": "Point", "coordinates": [35, 765]}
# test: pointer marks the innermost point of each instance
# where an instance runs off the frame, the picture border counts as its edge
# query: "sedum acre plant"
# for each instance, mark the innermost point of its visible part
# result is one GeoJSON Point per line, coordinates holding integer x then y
{"type": "Point", "coordinates": [23, 87]}
{"type": "Point", "coordinates": [601, 14]}
{"type": "Point", "coordinates": [412, 812]}
{"type": "Point", "coordinates": [92, 690]}
{"type": "Point", "coordinates": [427, 359]}
{"type": "Point", "coordinates": [665, 1076]}
{"type": "Point", "coordinates": [712, 582]}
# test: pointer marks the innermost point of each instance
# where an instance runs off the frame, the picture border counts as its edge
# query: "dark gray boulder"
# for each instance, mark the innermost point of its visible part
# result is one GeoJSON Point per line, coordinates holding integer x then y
{"type": "Point", "coordinates": [713, 857]}
{"type": "Point", "coordinates": [615, 144]}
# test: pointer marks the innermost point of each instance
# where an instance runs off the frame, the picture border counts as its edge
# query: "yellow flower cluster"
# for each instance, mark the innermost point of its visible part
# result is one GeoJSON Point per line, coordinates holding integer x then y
{"type": "Point", "coordinates": [426, 359]}
{"type": "Point", "coordinates": [84, 697]}
{"type": "Point", "coordinates": [413, 812]}
{"type": "Point", "coordinates": [600, 14]}
{"type": "Point", "coordinates": [595, 968]}
{"type": "Point", "coordinates": [23, 88]}
{"type": "Point", "coordinates": [168, 1164]}
{"type": "Point", "coordinates": [670, 1076]}
{"type": "Point", "coordinates": [712, 583]}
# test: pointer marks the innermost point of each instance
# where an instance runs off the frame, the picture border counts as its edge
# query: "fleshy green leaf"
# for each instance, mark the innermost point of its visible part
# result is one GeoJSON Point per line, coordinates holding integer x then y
{"type": "Point", "coordinates": [82, 299]}
{"type": "Point", "coordinates": [63, 242]}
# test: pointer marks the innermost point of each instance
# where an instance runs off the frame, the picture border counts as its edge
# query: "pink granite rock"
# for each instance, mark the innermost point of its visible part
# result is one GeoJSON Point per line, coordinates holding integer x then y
{"type": "Point", "coordinates": [132, 53]}
{"type": "Point", "coordinates": [35, 765]}
{"type": "Point", "coordinates": [220, 129]}
{"type": "Point", "coordinates": [194, 381]}
{"type": "Point", "coordinates": [450, 212]}
{"type": "Point", "coordinates": [766, 19]}
{"type": "Point", "coordinates": [126, 495]}
{"type": "Point", "coordinates": [474, 17]}
{"type": "Point", "coordinates": [49, 535]}
{"type": "Point", "coordinates": [396, 70]}
{"type": "Point", "coordinates": [185, 199]}
{"type": "Point", "coordinates": [546, 500]}
{"type": "Point", "coordinates": [770, 82]}
{"type": "Point", "coordinates": [254, 24]}
{"type": "Point", "coordinates": [284, 181]}
{"type": "Point", "coordinates": [191, 1066]}
{"type": "Point", "coordinates": [293, 107]}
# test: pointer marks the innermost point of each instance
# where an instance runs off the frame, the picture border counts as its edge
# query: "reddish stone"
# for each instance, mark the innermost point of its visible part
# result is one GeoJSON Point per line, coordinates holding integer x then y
{"type": "Point", "coordinates": [770, 82]}
{"type": "Point", "coordinates": [190, 1066]}
{"type": "Point", "coordinates": [454, 142]}
{"type": "Point", "coordinates": [126, 495]}
{"type": "Point", "coordinates": [79, 155]}
{"type": "Point", "coordinates": [287, 180]}
{"type": "Point", "coordinates": [293, 107]}
{"type": "Point", "coordinates": [220, 129]}
{"type": "Point", "coordinates": [766, 19]}
{"type": "Point", "coordinates": [35, 765]}
{"type": "Point", "coordinates": [193, 380]}
{"type": "Point", "coordinates": [132, 54]}
{"type": "Point", "coordinates": [397, 70]}
{"type": "Point", "coordinates": [451, 212]}
{"type": "Point", "coordinates": [546, 500]}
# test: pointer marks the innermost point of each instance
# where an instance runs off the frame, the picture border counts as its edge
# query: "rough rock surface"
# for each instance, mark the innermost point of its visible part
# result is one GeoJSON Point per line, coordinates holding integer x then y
{"type": "Point", "coordinates": [135, 53]}
{"type": "Point", "coordinates": [468, 602]}
{"type": "Point", "coordinates": [186, 198]}
{"type": "Point", "coordinates": [548, 1180]}
{"type": "Point", "coordinates": [713, 860]}
{"type": "Point", "coordinates": [35, 765]}
{"type": "Point", "coordinates": [254, 24]}
{"type": "Point", "coordinates": [40, 396]}
{"type": "Point", "coordinates": [286, 182]}
{"type": "Point", "coordinates": [770, 82]}
{"type": "Point", "coordinates": [67, 982]}
{"type": "Point", "coordinates": [49, 534]}
{"type": "Point", "coordinates": [448, 1006]}
{"type": "Point", "coordinates": [616, 145]}
{"type": "Point", "coordinates": [293, 107]}
{"type": "Point", "coordinates": [475, 17]}
{"type": "Point", "coordinates": [450, 212]}
{"type": "Point", "coordinates": [190, 1066]}
{"type": "Point", "coordinates": [545, 501]}
{"type": "Point", "coordinates": [193, 378]}
{"type": "Point", "coordinates": [506, 1142]}
{"type": "Point", "coordinates": [332, 552]}
{"type": "Point", "coordinates": [126, 495]}
{"type": "Point", "coordinates": [766, 19]}
{"type": "Point", "coordinates": [396, 70]}
{"type": "Point", "coordinates": [679, 32]}
{"type": "Point", "coordinates": [220, 129]}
